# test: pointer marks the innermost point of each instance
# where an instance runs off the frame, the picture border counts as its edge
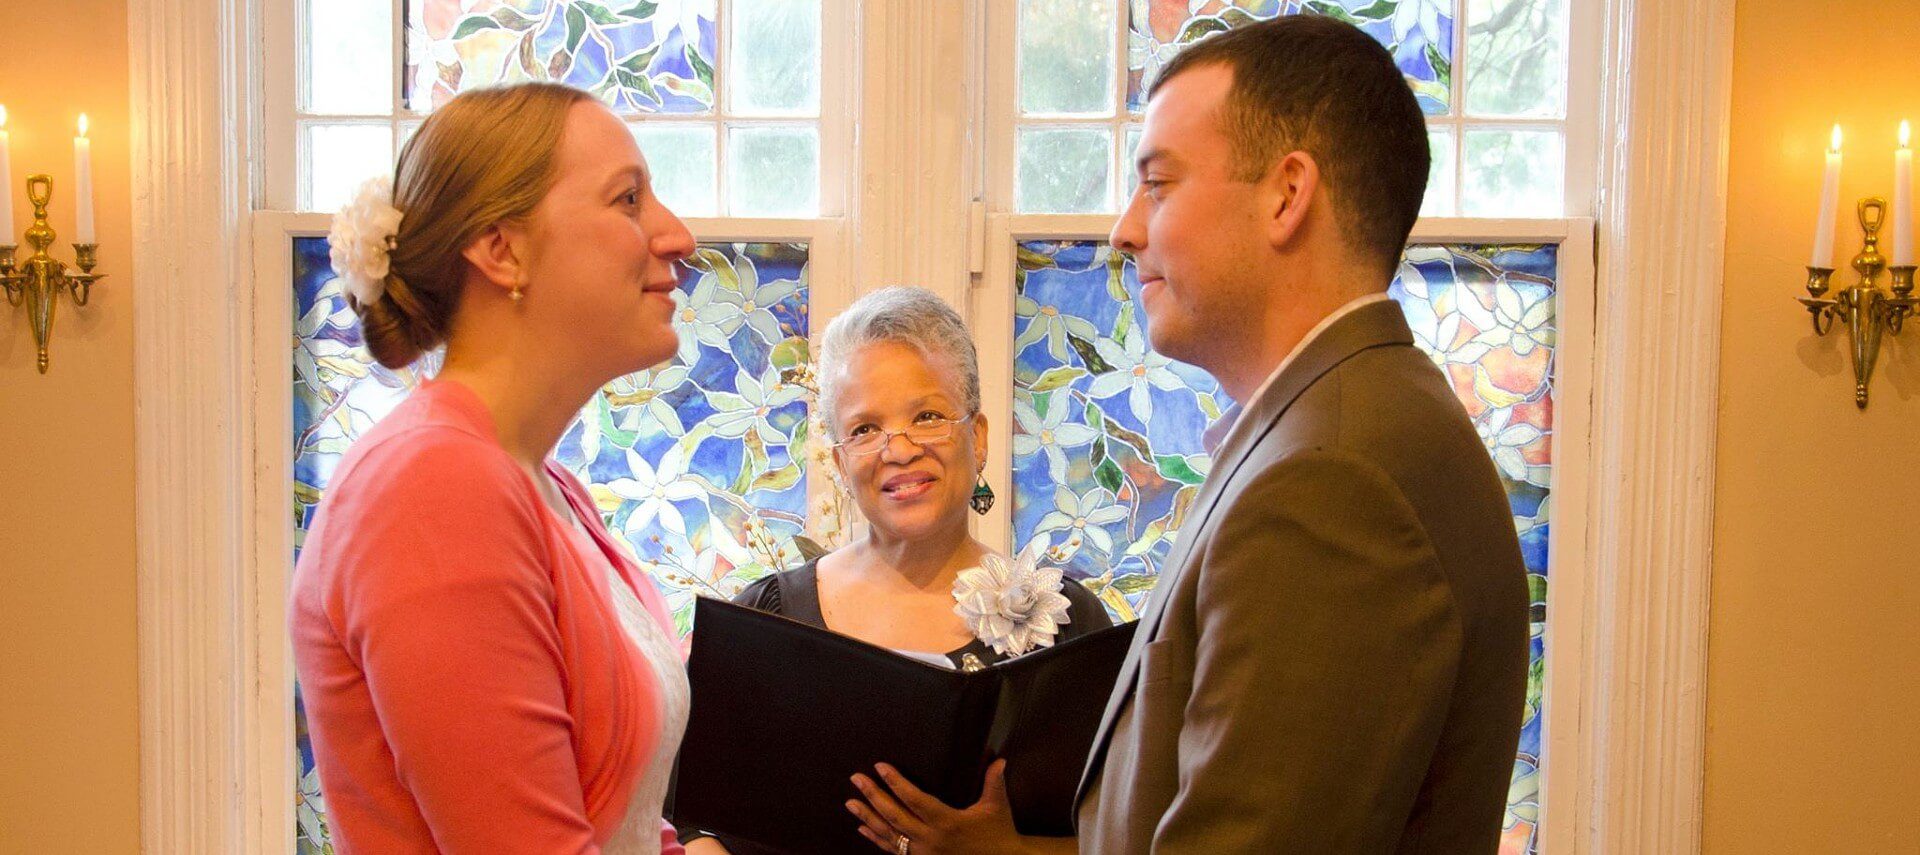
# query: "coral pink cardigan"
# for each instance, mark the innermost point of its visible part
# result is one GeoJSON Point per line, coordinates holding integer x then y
{"type": "Point", "coordinates": [468, 685]}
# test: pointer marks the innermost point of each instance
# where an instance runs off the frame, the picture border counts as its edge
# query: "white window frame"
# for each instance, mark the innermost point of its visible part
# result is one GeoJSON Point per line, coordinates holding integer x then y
{"type": "Point", "coordinates": [214, 769]}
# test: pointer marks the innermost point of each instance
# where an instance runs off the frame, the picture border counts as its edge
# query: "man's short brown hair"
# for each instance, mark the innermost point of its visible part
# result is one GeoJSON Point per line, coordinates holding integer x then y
{"type": "Point", "coordinates": [1315, 84]}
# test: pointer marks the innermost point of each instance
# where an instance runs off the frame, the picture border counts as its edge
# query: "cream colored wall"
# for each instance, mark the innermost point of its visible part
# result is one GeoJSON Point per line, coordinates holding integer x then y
{"type": "Point", "coordinates": [69, 757]}
{"type": "Point", "coordinates": [1813, 680]}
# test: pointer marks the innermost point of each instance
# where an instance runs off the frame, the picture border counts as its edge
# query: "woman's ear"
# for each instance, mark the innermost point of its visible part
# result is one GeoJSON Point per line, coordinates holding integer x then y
{"type": "Point", "coordinates": [495, 254]}
{"type": "Point", "coordinates": [980, 433]}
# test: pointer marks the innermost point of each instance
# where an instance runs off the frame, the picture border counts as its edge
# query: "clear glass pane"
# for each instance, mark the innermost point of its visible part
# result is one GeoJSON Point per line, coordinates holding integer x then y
{"type": "Point", "coordinates": [1513, 173]}
{"type": "Point", "coordinates": [1062, 170]}
{"type": "Point", "coordinates": [1066, 57]}
{"type": "Point", "coordinates": [1126, 160]}
{"type": "Point", "coordinates": [773, 64]}
{"type": "Point", "coordinates": [1418, 32]}
{"type": "Point", "coordinates": [681, 160]}
{"type": "Point", "coordinates": [349, 46]}
{"type": "Point", "coordinates": [773, 172]}
{"type": "Point", "coordinates": [340, 157]}
{"type": "Point", "coordinates": [1517, 58]}
{"type": "Point", "coordinates": [638, 57]}
{"type": "Point", "coordinates": [1440, 177]}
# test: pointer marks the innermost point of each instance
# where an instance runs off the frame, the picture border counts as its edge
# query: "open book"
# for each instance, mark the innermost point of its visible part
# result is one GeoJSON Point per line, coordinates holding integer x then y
{"type": "Point", "coordinates": [784, 713]}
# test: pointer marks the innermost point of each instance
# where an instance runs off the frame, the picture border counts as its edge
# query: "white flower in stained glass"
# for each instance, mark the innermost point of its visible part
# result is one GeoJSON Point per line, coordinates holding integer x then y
{"type": "Point", "coordinates": [682, 16]}
{"type": "Point", "coordinates": [699, 319]}
{"type": "Point", "coordinates": [1520, 318]}
{"type": "Point", "coordinates": [1083, 519]}
{"type": "Point", "coordinates": [1050, 323]}
{"type": "Point", "coordinates": [310, 807]}
{"type": "Point", "coordinates": [1134, 369]}
{"type": "Point", "coordinates": [1048, 434]}
{"type": "Point", "coordinates": [1507, 442]}
{"type": "Point", "coordinates": [752, 305]}
{"type": "Point", "coordinates": [749, 407]}
{"type": "Point", "coordinates": [656, 489]}
{"type": "Point", "coordinates": [1422, 17]}
{"type": "Point", "coordinates": [644, 393]}
{"type": "Point", "coordinates": [724, 546]}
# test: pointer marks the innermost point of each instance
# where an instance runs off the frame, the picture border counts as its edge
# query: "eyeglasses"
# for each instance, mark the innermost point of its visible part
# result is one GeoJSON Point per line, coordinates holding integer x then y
{"type": "Point", "coordinates": [923, 432]}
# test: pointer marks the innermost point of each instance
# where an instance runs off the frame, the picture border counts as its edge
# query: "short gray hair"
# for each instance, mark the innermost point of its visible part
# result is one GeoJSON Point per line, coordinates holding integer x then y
{"type": "Point", "coordinates": [901, 314]}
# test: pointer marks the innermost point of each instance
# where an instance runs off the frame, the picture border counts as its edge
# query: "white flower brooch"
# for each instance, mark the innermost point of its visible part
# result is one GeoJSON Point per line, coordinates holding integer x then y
{"type": "Point", "coordinates": [361, 238]}
{"type": "Point", "coordinates": [1012, 606]}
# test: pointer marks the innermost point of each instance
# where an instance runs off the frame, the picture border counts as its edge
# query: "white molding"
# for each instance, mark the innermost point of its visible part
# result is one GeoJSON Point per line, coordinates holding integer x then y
{"type": "Point", "coordinates": [918, 157]}
{"type": "Point", "coordinates": [190, 73]}
{"type": "Point", "coordinates": [1665, 103]}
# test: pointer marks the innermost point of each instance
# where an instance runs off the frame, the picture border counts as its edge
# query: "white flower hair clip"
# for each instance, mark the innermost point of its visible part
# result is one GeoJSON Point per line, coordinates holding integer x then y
{"type": "Point", "coordinates": [1012, 606]}
{"type": "Point", "coordinates": [362, 238]}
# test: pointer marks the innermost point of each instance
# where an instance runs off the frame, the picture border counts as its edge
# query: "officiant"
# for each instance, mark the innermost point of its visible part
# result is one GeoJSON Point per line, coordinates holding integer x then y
{"type": "Point", "coordinates": [900, 398]}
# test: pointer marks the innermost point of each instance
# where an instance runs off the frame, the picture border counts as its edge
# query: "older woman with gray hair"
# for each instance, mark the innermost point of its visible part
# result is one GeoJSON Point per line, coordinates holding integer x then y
{"type": "Point", "coordinates": [900, 396]}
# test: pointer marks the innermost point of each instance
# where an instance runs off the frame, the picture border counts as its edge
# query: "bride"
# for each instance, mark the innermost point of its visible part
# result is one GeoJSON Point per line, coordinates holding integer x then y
{"type": "Point", "coordinates": [484, 669]}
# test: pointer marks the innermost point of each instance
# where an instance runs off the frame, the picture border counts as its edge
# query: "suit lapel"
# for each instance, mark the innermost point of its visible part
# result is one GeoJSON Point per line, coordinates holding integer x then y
{"type": "Point", "coordinates": [1370, 326]}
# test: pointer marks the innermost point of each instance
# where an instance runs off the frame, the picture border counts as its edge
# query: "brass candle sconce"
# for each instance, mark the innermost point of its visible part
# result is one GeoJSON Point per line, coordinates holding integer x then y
{"type": "Point", "coordinates": [1867, 310]}
{"type": "Point", "coordinates": [39, 282]}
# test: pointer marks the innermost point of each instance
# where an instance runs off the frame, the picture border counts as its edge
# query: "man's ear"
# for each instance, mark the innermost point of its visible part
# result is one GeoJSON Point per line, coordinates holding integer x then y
{"type": "Point", "coordinates": [495, 254]}
{"type": "Point", "coordinates": [1291, 188]}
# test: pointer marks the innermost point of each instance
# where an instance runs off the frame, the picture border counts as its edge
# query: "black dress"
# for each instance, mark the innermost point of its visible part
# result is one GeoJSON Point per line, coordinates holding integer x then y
{"type": "Point", "coordinates": [796, 594]}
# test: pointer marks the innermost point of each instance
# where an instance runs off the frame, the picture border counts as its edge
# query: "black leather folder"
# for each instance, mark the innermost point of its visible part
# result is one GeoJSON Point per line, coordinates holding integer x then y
{"type": "Point", "coordinates": [784, 713]}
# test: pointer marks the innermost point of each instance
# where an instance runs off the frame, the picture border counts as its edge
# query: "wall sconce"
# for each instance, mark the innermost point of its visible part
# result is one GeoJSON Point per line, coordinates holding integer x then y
{"type": "Point", "coordinates": [1868, 311]}
{"type": "Point", "coordinates": [39, 282]}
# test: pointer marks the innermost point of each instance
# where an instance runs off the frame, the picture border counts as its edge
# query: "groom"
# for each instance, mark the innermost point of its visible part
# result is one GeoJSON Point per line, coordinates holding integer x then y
{"type": "Point", "coordinates": [1335, 657]}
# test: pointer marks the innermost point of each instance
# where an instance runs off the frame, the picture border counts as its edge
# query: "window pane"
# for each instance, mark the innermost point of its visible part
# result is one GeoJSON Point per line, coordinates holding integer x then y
{"type": "Point", "coordinates": [1062, 170]}
{"type": "Point", "coordinates": [1126, 161]}
{"type": "Point", "coordinates": [681, 161]}
{"type": "Point", "coordinates": [339, 157]}
{"type": "Point", "coordinates": [1101, 421]}
{"type": "Point", "coordinates": [638, 57]}
{"type": "Point", "coordinates": [1066, 57]}
{"type": "Point", "coordinates": [773, 172]}
{"type": "Point", "coordinates": [1517, 58]}
{"type": "Point", "coordinates": [349, 56]}
{"type": "Point", "coordinates": [748, 498]}
{"type": "Point", "coordinates": [1440, 177]}
{"type": "Point", "coordinates": [1419, 32]}
{"type": "Point", "coordinates": [774, 61]}
{"type": "Point", "coordinates": [1513, 173]}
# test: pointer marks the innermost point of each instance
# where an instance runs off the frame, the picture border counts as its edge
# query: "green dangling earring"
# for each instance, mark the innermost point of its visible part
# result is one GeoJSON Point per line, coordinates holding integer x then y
{"type": "Point", "coordinates": [982, 500]}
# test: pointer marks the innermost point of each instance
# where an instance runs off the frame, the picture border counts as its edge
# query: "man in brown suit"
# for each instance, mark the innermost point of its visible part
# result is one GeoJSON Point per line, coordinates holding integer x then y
{"type": "Point", "coordinates": [1335, 657]}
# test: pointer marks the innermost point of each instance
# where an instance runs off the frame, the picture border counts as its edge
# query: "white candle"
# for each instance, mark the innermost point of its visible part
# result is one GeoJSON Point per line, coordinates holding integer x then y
{"type": "Point", "coordinates": [6, 184]}
{"type": "Point", "coordinates": [82, 185]}
{"type": "Point", "coordinates": [1829, 206]}
{"type": "Point", "coordinates": [1903, 200]}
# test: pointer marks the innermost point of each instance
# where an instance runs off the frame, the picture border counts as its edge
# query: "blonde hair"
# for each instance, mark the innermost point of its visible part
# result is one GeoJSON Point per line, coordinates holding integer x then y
{"type": "Point", "coordinates": [484, 158]}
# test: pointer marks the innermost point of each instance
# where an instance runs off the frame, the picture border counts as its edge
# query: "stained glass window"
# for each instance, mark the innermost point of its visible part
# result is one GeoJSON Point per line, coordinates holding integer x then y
{"type": "Point", "coordinates": [1077, 93]}
{"type": "Point", "coordinates": [1107, 453]}
{"type": "Point", "coordinates": [694, 465]}
{"type": "Point", "coordinates": [718, 99]}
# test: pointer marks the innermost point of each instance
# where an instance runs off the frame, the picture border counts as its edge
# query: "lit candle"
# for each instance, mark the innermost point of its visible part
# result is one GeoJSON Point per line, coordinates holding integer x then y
{"type": "Point", "coordinates": [6, 183]}
{"type": "Point", "coordinates": [1903, 200]}
{"type": "Point", "coordinates": [1829, 206]}
{"type": "Point", "coordinates": [82, 185]}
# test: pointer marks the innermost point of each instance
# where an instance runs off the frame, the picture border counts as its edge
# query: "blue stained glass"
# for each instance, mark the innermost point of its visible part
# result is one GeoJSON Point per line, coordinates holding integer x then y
{"type": "Point", "coordinates": [644, 57]}
{"type": "Point", "coordinates": [1106, 434]}
{"type": "Point", "coordinates": [1420, 34]}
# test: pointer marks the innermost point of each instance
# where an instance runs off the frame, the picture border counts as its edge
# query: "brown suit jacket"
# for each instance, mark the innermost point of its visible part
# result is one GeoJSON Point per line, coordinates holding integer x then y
{"type": "Point", "coordinates": [1335, 657]}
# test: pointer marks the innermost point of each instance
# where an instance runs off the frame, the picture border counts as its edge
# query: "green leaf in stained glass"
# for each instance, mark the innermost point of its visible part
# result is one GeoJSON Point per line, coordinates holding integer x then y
{"type": "Point", "coordinates": [599, 14]}
{"type": "Point", "coordinates": [1175, 468]}
{"type": "Point", "coordinates": [576, 28]}
{"type": "Point", "coordinates": [1055, 378]}
{"type": "Point", "coordinates": [1088, 355]}
{"type": "Point", "coordinates": [473, 24]}
{"type": "Point", "coordinates": [701, 68]}
{"type": "Point", "coordinates": [1109, 475]}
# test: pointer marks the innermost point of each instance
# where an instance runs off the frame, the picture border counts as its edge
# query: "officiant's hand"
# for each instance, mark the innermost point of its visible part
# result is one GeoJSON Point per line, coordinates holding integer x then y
{"type": "Point", "coordinates": [900, 809]}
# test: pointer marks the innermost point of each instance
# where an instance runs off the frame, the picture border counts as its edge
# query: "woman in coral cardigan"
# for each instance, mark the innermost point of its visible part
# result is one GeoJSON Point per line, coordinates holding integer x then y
{"type": "Point", "coordinates": [483, 669]}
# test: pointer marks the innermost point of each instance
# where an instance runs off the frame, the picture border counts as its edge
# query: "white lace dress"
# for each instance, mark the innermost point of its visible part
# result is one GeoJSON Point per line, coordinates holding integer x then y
{"type": "Point", "coordinates": [639, 831]}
